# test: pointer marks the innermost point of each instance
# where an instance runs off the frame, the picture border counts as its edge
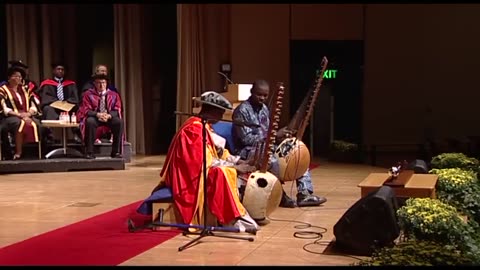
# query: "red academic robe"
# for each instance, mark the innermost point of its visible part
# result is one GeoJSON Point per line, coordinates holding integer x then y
{"type": "Point", "coordinates": [183, 173]}
{"type": "Point", "coordinates": [91, 101]}
{"type": "Point", "coordinates": [29, 98]}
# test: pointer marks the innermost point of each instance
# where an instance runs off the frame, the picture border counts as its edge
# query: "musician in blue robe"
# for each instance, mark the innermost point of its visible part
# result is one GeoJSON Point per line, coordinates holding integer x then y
{"type": "Point", "coordinates": [255, 111]}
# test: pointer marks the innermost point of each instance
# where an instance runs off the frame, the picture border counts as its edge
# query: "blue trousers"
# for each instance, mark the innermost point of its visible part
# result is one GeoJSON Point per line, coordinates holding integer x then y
{"type": "Point", "coordinates": [304, 183]}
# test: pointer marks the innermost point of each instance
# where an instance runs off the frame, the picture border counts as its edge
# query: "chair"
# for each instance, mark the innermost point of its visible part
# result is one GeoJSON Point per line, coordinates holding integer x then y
{"type": "Point", "coordinates": [8, 141]}
{"type": "Point", "coordinates": [162, 199]}
{"type": "Point", "coordinates": [225, 129]}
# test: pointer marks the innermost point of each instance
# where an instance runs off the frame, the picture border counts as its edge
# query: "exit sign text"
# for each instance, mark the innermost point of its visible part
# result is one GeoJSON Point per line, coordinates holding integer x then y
{"type": "Point", "coordinates": [329, 73]}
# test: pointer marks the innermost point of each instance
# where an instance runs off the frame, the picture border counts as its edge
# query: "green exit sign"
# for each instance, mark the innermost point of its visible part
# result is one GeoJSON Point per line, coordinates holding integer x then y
{"type": "Point", "coordinates": [328, 74]}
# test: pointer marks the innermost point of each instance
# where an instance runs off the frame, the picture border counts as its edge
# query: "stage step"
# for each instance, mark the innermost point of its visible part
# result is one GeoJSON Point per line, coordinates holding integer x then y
{"type": "Point", "coordinates": [30, 150]}
{"type": "Point", "coordinates": [61, 165]}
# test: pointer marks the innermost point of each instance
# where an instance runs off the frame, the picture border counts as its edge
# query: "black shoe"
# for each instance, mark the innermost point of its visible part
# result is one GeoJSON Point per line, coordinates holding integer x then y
{"type": "Point", "coordinates": [286, 201]}
{"type": "Point", "coordinates": [116, 155]}
{"type": "Point", "coordinates": [77, 139]}
{"type": "Point", "coordinates": [90, 156]}
{"type": "Point", "coordinates": [307, 199]}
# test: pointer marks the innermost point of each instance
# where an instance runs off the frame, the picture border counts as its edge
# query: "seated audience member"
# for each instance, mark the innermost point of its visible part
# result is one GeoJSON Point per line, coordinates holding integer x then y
{"type": "Point", "coordinates": [255, 111]}
{"type": "Point", "coordinates": [26, 82]}
{"type": "Point", "coordinates": [28, 85]}
{"type": "Point", "coordinates": [58, 89]}
{"type": "Point", "coordinates": [99, 69]}
{"type": "Point", "coordinates": [101, 107]}
{"type": "Point", "coordinates": [183, 170]}
{"type": "Point", "coordinates": [19, 106]}
{"type": "Point", "coordinates": [102, 132]}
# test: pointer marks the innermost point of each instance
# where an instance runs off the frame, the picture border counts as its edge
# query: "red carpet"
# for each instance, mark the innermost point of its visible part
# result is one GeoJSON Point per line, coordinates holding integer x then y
{"type": "Point", "coordinates": [313, 166]}
{"type": "Point", "coordinates": [101, 240]}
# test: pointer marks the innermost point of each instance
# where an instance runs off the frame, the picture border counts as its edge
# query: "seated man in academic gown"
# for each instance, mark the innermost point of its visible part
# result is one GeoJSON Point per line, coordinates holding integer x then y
{"type": "Point", "coordinates": [58, 89]}
{"type": "Point", "coordinates": [102, 132]}
{"type": "Point", "coordinates": [101, 107]}
{"type": "Point", "coordinates": [182, 172]}
{"type": "Point", "coordinates": [99, 69]}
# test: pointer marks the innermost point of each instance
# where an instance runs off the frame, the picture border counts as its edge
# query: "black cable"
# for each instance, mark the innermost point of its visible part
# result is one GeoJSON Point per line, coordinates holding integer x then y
{"type": "Point", "coordinates": [311, 234]}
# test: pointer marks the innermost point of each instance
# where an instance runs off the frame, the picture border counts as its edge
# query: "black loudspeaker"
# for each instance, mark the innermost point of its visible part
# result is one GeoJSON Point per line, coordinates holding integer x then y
{"type": "Point", "coordinates": [418, 166]}
{"type": "Point", "coordinates": [370, 223]}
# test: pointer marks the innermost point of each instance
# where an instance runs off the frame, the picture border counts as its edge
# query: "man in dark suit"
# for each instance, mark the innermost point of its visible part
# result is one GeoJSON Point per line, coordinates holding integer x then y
{"type": "Point", "coordinates": [58, 89]}
{"type": "Point", "coordinates": [101, 107]}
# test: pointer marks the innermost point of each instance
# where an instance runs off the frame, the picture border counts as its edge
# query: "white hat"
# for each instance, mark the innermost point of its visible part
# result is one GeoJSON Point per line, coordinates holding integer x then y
{"type": "Point", "coordinates": [214, 99]}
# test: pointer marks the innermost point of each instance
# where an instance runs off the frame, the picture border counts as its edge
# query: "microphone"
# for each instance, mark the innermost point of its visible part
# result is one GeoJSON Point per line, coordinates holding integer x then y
{"type": "Point", "coordinates": [238, 123]}
{"type": "Point", "coordinates": [226, 77]}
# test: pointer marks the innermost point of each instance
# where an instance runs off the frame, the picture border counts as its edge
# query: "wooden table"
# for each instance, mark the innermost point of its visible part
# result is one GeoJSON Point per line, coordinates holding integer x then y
{"type": "Point", "coordinates": [418, 186]}
{"type": "Point", "coordinates": [64, 151]}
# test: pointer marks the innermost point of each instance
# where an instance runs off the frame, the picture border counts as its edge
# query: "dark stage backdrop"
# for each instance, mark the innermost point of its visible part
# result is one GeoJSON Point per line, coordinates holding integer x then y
{"type": "Point", "coordinates": [3, 43]}
{"type": "Point", "coordinates": [343, 81]}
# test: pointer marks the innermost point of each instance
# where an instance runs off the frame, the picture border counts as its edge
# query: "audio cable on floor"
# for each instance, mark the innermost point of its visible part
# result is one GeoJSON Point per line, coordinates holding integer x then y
{"type": "Point", "coordinates": [307, 234]}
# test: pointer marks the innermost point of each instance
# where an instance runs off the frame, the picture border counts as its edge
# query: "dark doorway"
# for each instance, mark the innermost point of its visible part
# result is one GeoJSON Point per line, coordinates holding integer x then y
{"type": "Point", "coordinates": [338, 109]}
{"type": "Point", "coordinates": [94, 35]}
{"type": "Point", "coordinates": [3, 42]}
{"type": "Point", "coordinates": [164, 75]}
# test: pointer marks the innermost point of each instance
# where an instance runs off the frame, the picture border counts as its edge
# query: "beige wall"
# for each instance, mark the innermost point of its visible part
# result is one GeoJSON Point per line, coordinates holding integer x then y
{"type": "Point", "coordinates": [327, 22]}
{"type": "Point", "coordinates": [429, 59]}
{"type": "Point", "coordinates": [416, 56]}
{"type": "Point", "coordinates": [260, 44]}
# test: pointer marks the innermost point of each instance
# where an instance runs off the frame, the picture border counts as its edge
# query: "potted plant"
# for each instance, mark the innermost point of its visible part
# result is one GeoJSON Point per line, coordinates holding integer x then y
{"type": "Point", "coordinates": [455, 160]}
{"type": "Point", "coordinates": [461, 189]}
{"type": "Point", "coordinates": [432, 220]}
{"type": "Point", "coordinates": [417, 253]}
{"type": "Point", "coordinates": [343, 151]}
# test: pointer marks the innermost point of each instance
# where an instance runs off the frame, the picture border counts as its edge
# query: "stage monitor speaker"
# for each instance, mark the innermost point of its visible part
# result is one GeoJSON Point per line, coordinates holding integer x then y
{"type": "Point", "coordinates": [418, 166]}
{"type": "Point", "coordinates": [370, 223]}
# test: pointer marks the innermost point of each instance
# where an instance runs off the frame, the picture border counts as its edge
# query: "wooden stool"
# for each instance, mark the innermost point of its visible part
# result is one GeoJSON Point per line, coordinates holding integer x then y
{"type": "Point", "coordinates": [171, 215]}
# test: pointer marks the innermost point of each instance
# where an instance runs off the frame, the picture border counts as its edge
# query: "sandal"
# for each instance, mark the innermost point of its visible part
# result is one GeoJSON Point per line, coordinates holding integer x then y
{"type": "Point", "coordinates": [16, 156]}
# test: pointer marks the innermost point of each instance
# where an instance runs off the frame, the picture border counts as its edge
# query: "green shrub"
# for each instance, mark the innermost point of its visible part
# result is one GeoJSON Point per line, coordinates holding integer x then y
{"type": "Point", "coordinates": [343, 146]}
{"type": "Point", "coordinates": [455, 160]}
{"type": "Point", "coordinates": [461, 189]}
{"type": "Point", "coordinates": [418, 253]}
{"type": "Point", "coordinates": [432, 220]}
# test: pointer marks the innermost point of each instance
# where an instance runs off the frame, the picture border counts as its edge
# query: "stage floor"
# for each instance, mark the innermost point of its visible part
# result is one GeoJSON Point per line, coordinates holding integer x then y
{"type": "Point", "coordinates": [35, 203]}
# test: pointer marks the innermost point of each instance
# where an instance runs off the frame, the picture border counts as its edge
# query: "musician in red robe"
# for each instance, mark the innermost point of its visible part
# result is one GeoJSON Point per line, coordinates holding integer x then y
{"type": "Point", "coordinates": [19, 105]}
{"type": "Point", "coordinates": [183, 170]}
{"type": "Point", "coordinates": [101, 107]}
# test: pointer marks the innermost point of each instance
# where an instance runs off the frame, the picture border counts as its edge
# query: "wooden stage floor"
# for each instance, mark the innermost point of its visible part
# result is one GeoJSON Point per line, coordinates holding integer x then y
{"type": "Point", "coordinates": [39, 202]}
